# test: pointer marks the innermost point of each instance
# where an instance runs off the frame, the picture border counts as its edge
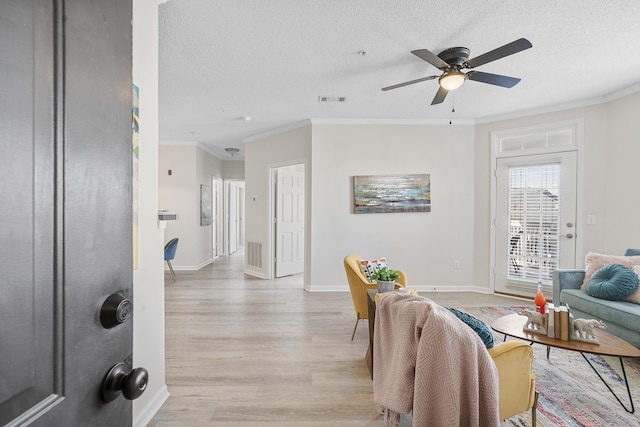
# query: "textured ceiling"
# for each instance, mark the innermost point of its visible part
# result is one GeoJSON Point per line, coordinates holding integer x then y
{"type": "Point", "coordinates": [271, 60]}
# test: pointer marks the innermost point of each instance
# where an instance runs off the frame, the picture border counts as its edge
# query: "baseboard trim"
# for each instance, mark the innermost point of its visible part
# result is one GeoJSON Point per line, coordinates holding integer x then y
{"type": "Point", "coordinates": [255, 273]}
{"type": "Point", "coordinates": [452, 288]}
{"type": "Point", "coordinates": [146, 415]}
{"type": "Point", "coordinates": [190, 267]}
{"type": "Point", "coordinates": [418, 288]}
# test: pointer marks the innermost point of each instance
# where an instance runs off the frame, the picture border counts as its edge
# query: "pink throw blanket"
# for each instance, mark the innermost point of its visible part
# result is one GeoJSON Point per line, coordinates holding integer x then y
{"type": "Point", "coordinates": [428, 361]}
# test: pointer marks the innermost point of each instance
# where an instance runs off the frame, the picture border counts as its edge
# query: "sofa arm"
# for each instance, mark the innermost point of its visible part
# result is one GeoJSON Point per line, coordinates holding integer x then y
{"type": "Point", "coordinates": [566, 279]}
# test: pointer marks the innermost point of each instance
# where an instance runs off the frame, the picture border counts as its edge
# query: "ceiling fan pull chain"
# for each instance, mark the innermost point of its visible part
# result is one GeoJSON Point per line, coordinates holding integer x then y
{"type": "Point", "coordinates": [453, 106]}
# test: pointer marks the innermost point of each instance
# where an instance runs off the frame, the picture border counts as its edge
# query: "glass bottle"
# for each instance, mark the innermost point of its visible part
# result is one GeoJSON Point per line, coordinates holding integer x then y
{"type": "Point", "coordinates": [540, 301]}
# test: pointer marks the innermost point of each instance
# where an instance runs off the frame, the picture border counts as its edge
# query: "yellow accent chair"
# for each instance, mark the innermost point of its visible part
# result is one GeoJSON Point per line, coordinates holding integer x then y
{"type": "Point", "coordinates": [358, 285]}
{"type": "Point", "coordinates": [514, 360]}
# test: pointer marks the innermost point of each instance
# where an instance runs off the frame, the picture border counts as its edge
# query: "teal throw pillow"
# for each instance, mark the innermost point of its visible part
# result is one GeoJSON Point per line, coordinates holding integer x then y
{"type": "Point", "coordinates": [478, 326]}
{"type": "Point", "coordinates": [632, 252]}
{"type": "Point", "coordinates": [613, 282]}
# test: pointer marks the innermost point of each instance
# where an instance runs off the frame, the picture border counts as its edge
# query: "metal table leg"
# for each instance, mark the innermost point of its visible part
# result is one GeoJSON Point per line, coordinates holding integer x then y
{"type": "Point", "coordinates": [626, 382]}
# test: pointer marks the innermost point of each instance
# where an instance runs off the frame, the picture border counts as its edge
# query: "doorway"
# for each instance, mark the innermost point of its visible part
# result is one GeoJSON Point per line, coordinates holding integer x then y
{"type": "Point", "coordinates": [234, 211]}
{"type": "Point", "coordinates": [289, 224]}
{"type": "Point", "coordinates": [535, 220]}
{"type": "Point", "coordinates": [534, 205]}
{"type": "Point", "coordinates": [217, 225]}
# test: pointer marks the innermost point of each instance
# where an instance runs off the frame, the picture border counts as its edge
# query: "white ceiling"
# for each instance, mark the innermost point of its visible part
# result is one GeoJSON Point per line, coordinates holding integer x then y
{"type": "Point", "coordinates": [225, 59]}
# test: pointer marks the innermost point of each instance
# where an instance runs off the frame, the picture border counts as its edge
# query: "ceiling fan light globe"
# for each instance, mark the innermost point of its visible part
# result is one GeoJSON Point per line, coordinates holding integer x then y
{"type": "Point", "coordinates": [452, 80]}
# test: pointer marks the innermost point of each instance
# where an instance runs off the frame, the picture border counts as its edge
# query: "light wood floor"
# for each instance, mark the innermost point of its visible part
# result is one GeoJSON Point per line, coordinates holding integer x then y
{"type": "Point", "coordinates": [246, 352]}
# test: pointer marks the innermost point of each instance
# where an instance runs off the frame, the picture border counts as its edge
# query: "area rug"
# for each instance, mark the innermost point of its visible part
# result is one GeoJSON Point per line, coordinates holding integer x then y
{"type": "Point", "coordinates": [571, 394]}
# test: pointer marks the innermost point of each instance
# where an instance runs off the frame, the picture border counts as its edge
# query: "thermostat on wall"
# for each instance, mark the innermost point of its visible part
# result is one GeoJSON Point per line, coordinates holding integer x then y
{"type": "Point", "coordinates": [167, 216]}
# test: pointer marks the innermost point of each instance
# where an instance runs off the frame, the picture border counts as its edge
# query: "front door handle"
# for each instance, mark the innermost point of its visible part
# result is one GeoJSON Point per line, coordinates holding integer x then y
{"type": "Point", "coordinates": [122, 379]}
{"type": "Point", "coordinates": [568, 235]}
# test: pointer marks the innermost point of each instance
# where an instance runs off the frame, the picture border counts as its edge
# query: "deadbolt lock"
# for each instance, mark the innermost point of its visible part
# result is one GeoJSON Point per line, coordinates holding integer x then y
{"type": "Point", "coordinates": [116, 309]}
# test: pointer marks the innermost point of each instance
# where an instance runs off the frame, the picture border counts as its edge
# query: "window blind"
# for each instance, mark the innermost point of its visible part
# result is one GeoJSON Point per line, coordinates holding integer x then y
{"type": "Point", "coordinates": [533, 222]}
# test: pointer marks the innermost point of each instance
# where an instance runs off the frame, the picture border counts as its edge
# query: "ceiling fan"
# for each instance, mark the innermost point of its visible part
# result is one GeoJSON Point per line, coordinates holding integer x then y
{"type": "Point", "coordinates": [451, 61]}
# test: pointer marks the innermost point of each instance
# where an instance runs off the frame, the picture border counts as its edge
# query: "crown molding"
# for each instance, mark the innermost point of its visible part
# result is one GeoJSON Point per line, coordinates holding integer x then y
{"type": "Point", "coordinates": [394, 122]}
{"type": "Point", "coordinates": [587, 102]}
{"type": "Point", "coordinates": [423, 122]}
{"type": "Point", "coordinates": [176, 142]}
{"type": "Point", "coordinates": [208, 150]}
{"type": "Point", "coordinates": [277, 131]}
{"type": "Point", "coordinates": [197, 144]}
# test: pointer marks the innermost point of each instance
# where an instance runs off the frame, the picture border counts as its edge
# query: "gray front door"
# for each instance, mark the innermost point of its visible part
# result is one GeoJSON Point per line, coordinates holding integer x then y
{"type": "Point", "coordinates": [65, 194]}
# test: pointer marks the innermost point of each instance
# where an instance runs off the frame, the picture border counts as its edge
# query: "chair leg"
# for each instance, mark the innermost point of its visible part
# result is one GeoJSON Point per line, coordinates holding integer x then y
{"type": "Point", "coordinates": [355, 327]}
{"type": "Point", "coordinates": [533, 409]}
{"type": "Point", "coordinates": [172, 272]}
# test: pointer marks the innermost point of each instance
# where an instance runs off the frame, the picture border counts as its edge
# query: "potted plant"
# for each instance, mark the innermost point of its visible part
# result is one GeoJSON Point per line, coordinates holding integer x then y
{"type": "Point", "coordinates": [385, 278]}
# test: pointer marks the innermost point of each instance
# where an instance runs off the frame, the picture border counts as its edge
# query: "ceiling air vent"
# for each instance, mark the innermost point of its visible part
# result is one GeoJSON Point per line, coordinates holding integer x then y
{"type": "Point", "coordinates": [331, 99]}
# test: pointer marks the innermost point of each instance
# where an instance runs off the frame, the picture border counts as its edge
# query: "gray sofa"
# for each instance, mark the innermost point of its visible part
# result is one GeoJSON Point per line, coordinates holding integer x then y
{"type": "Point", "coordinates": [621, 317]}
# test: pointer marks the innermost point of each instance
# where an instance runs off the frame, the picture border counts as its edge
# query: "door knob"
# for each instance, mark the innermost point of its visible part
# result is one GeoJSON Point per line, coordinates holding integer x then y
{"type": "Point", "coordinates": [115, 310]}
{"type": "Point", "coordinates": [122, 379]}
{"type": "Point", "coordinates": [568, 236]}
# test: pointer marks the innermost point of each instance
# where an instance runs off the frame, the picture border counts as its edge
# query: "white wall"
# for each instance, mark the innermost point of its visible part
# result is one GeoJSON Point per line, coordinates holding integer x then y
{"type": "Point", "coordinates": [148, 279]}
{"type": "Point", "coordinates": [424, 245]}
{"type": "Point", "coordinates": [621, 203]}
{"type": "Point", "coordinates": [177, 194]}
{"type": "Point", "coordinates": [207, 166]}
{"type": "Point", "coordinates": [180, 193]}
{"type": "Point", "coordinates": [262, 154]}
{"type": "Point", "coordinates": [459, 160]}
{"type": "Point", "coordinates": [233, 169]}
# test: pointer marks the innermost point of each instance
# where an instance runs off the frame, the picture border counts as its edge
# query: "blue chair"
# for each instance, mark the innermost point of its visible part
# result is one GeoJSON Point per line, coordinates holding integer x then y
{"type": "Point", "coordinates": [170, 253]}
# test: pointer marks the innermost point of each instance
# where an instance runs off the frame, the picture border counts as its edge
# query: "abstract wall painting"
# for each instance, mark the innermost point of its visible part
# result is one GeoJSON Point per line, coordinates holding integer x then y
{"type": "Point", "coordinates": [392, 193]}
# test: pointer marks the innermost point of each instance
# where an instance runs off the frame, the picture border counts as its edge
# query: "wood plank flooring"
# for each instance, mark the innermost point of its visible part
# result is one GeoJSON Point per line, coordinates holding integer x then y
{"type": "Point", "coordinates": [246, 352]}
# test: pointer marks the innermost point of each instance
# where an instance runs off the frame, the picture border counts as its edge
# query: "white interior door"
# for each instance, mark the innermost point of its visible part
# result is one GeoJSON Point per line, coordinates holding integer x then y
{"type": "Point", "coordinates": [233, 218]}
{"type": "Point", "coordinates": [216, 234]}
{"type": "Point", "coordinates": [219, 214]}
{"type": "Point", "coordinates": [535, 224]}
{"type": "Point", "coordinates": [241, 209]}
{"type": "Point", "coordinates": [289, 227]}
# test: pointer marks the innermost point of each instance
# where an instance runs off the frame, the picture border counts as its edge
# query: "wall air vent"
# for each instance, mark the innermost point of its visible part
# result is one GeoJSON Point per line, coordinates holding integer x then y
{"type": "Point", "coordinates": [332, 99]}
{"type": "Point", "coordinates": [253, 254]}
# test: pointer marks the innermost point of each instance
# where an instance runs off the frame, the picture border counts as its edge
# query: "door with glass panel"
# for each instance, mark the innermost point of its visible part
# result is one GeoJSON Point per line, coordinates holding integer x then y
{"type": "Point", "coordinates": [535, 227]}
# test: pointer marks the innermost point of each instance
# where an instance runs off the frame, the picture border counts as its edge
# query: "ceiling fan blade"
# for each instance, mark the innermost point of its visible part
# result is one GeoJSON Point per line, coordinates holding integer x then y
{"type": "Point", "coordinates": [431, 58]}
{"type": "Point", "coordinates": [409, 83]}
{"type": "Point", "coordinates": [493, 79]}
{"type": "Point", "coordinates": [441, 94]}
{"type": "Point", "coordinates": [506, 50]}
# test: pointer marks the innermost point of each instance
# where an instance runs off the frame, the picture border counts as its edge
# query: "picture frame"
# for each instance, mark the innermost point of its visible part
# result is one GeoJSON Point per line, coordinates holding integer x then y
{"type": "Point", "coordinates": [205, 205]}
{"type": "Point", "coordinates": [391, 193]}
